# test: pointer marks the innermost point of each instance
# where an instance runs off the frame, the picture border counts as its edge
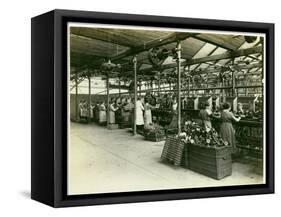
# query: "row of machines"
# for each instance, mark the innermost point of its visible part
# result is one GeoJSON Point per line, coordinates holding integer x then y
{"type": "Point", "coordinates": [249, 130]}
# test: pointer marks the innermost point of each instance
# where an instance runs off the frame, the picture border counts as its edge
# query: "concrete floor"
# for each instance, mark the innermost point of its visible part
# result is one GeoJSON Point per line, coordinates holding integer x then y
{"type": "Point", "coordinates": [102, 160]}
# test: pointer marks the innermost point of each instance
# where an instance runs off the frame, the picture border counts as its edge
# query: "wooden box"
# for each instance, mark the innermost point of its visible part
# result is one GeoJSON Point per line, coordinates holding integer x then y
{"type": "Point", "coordinates": [185, 157]}
{"type": "Point", "coordinates": [213, 162]}
{"type": "Point", "coordinates": [173, 150]}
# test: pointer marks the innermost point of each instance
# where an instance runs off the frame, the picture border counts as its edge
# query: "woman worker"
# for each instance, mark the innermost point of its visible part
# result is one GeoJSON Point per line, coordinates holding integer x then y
{"type": "Point", "coordinates": [127, 112]}
{"type": "Point", "coordinates": [139, 115]}
{"type": "Point", "coordinates": [96, 112]}
{"type": "Point", "coordinates": [118, 112]}
{"type": "Point", "coordinates": [112, 109]}
{"type": "Point", "coordinates": [147, 112]}
{"type": "Point", "coordinates": [227, 131]}
{"type": "Point", "coordinates": [205, 115]}
{"type": "Point", "coordinates": [102, 114]}
{"type": "Point", "coordinates": [174, 122]}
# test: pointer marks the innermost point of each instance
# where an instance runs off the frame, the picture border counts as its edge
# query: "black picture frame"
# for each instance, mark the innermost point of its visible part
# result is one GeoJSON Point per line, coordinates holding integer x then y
{"type": "Point", "coordinates": [49, 106]}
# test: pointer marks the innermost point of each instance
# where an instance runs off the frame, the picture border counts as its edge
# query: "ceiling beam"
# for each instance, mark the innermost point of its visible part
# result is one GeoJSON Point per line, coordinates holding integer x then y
{"type": "Point", "coordinates": [173, 37]}
{"type": "Point", "coordinates": [213, 69]}
{"type": "Point", "coordinates": [219, 68]}
{"type": "Point", "coordinates": [215, 41]}
{"type": "Point", "coordinates": [209, 54]}
{"type": "Point", "coordinates": [227, 62]}
{"type": "Point", "coordinates": [227, 55]}
{"type": "Point", "coordinates": [198, 50]}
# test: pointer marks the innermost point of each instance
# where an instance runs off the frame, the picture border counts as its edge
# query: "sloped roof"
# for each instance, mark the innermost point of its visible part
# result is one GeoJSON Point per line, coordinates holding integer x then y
{"type": "Point", "coordinates": [90, 47]}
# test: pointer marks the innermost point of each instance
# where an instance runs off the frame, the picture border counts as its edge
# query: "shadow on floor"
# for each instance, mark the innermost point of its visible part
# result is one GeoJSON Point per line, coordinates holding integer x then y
{"type": "Point", "coordinates": [25, 194]}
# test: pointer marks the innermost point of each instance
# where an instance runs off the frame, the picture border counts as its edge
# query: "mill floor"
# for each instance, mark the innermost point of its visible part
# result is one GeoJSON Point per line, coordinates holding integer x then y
{"type": "Point", "coordinates": [102, 160]}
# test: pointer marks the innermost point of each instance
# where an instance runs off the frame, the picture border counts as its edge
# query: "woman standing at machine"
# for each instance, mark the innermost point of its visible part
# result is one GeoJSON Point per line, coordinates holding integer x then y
{"type": "Point", "coordinates": [96, 112]}
{"type": "Point", "coordinates": [127, 113]}
{"type": "Point", "coordinates": [112, 109]}
{"type": "Point", "coordinates": [118, 112]}
{"type": "Point", "coordinates": [147, 112]}
{"type": "Point", "coordinates": [102, 114]}
{"type": "Point", "coordinates": [139, 115]}
{"type": "Point", "coordinates": [205, 115]}
{"type": "Point", "coordinates": [227, 131]}
{"type": "Point", "coordinates": [174, 122]}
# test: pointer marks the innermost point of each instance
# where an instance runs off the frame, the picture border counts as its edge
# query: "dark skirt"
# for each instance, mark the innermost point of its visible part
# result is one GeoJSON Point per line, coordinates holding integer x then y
{"type": "Point", "coordinates": [174, 122]}
{"type": "Point", "coordinates": [227, 133]}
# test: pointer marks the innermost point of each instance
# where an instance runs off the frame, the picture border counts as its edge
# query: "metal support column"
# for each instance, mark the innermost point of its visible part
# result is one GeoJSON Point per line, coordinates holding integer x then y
{"type": "Point", "coordinates": [119, 84]}
{"type": "Point", "coordinates": [178, 49]}
{"type": "Point", "coordinates": [233, 80]}
{"type": "Point", "coordinates": [223, 90]}
{"type": "Point", "coordinates": [135, 95]}
{"type": "Point", "coordinates": [188, 68]}
{"type": "Point", "coordinates": [107, 94]}
{"type": "Point", "coordinates": [159, 86]}
{"type": "Point", "coordinates": [76, 98]}
{"type": "Point", "coordinates": [188, 93]}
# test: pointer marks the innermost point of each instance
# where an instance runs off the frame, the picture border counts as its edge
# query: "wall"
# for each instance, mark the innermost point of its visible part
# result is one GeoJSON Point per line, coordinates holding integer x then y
{"type": "Point", "coordinates": [15, 107]}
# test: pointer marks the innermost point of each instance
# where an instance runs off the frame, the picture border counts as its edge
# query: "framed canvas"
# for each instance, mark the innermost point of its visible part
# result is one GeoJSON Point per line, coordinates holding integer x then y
{"type": "Point", "coordinates": [133, 108]}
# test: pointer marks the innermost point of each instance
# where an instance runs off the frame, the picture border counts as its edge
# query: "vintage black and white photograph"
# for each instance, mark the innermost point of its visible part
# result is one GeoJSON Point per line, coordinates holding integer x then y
{"type": "Point", "coordinates": [153, 108]}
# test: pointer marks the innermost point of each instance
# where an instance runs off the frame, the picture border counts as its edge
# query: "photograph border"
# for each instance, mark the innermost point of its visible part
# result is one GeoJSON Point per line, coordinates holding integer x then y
{"type": "Point", "coordinates": [60, 116]}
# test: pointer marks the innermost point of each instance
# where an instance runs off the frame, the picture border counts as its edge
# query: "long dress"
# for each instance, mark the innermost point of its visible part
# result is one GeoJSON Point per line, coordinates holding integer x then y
{"type": "Point", "coordinates": [139, 113]}
{"type": "Point", "coordinates": [102, 114]}
{"type": "Point", "coordinates": [92, 112]}
{"type": "Point", "coordinates": [80, 110]}
{"type": "Point", "coordinates": [227, 131]}
{"type": "Point", "coordinates": [174, 122]}
{"type": "Point", "coordinates": [112, 111]}
{"type": "Point", "coordinates": [204, 114]}
{"type": "Point", "coordinates": [119, 114]}
{"type": "Point", "coordinates": [84, 111]}
{"type": "Point", "coordinates": [147, 114]}
{"type": "Point", "coordinates": [127, 112]}
{"type": "Point", "coordinates": [96, 112]}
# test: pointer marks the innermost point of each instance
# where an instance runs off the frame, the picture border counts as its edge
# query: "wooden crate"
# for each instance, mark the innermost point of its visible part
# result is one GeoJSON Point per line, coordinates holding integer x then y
{"type": "Point", "coordinates": [173, 150]}
{"type": "Point", "coordinates": [213, 162]}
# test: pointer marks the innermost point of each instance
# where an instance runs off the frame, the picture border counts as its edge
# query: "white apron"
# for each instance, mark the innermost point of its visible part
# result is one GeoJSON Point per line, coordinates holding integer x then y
{"type": "Point", "coordinates": [139, 113]}
{"type": "Point", "coordinates": [102, 114]}
{"type": "Point", "coordinates": [147, 114]}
